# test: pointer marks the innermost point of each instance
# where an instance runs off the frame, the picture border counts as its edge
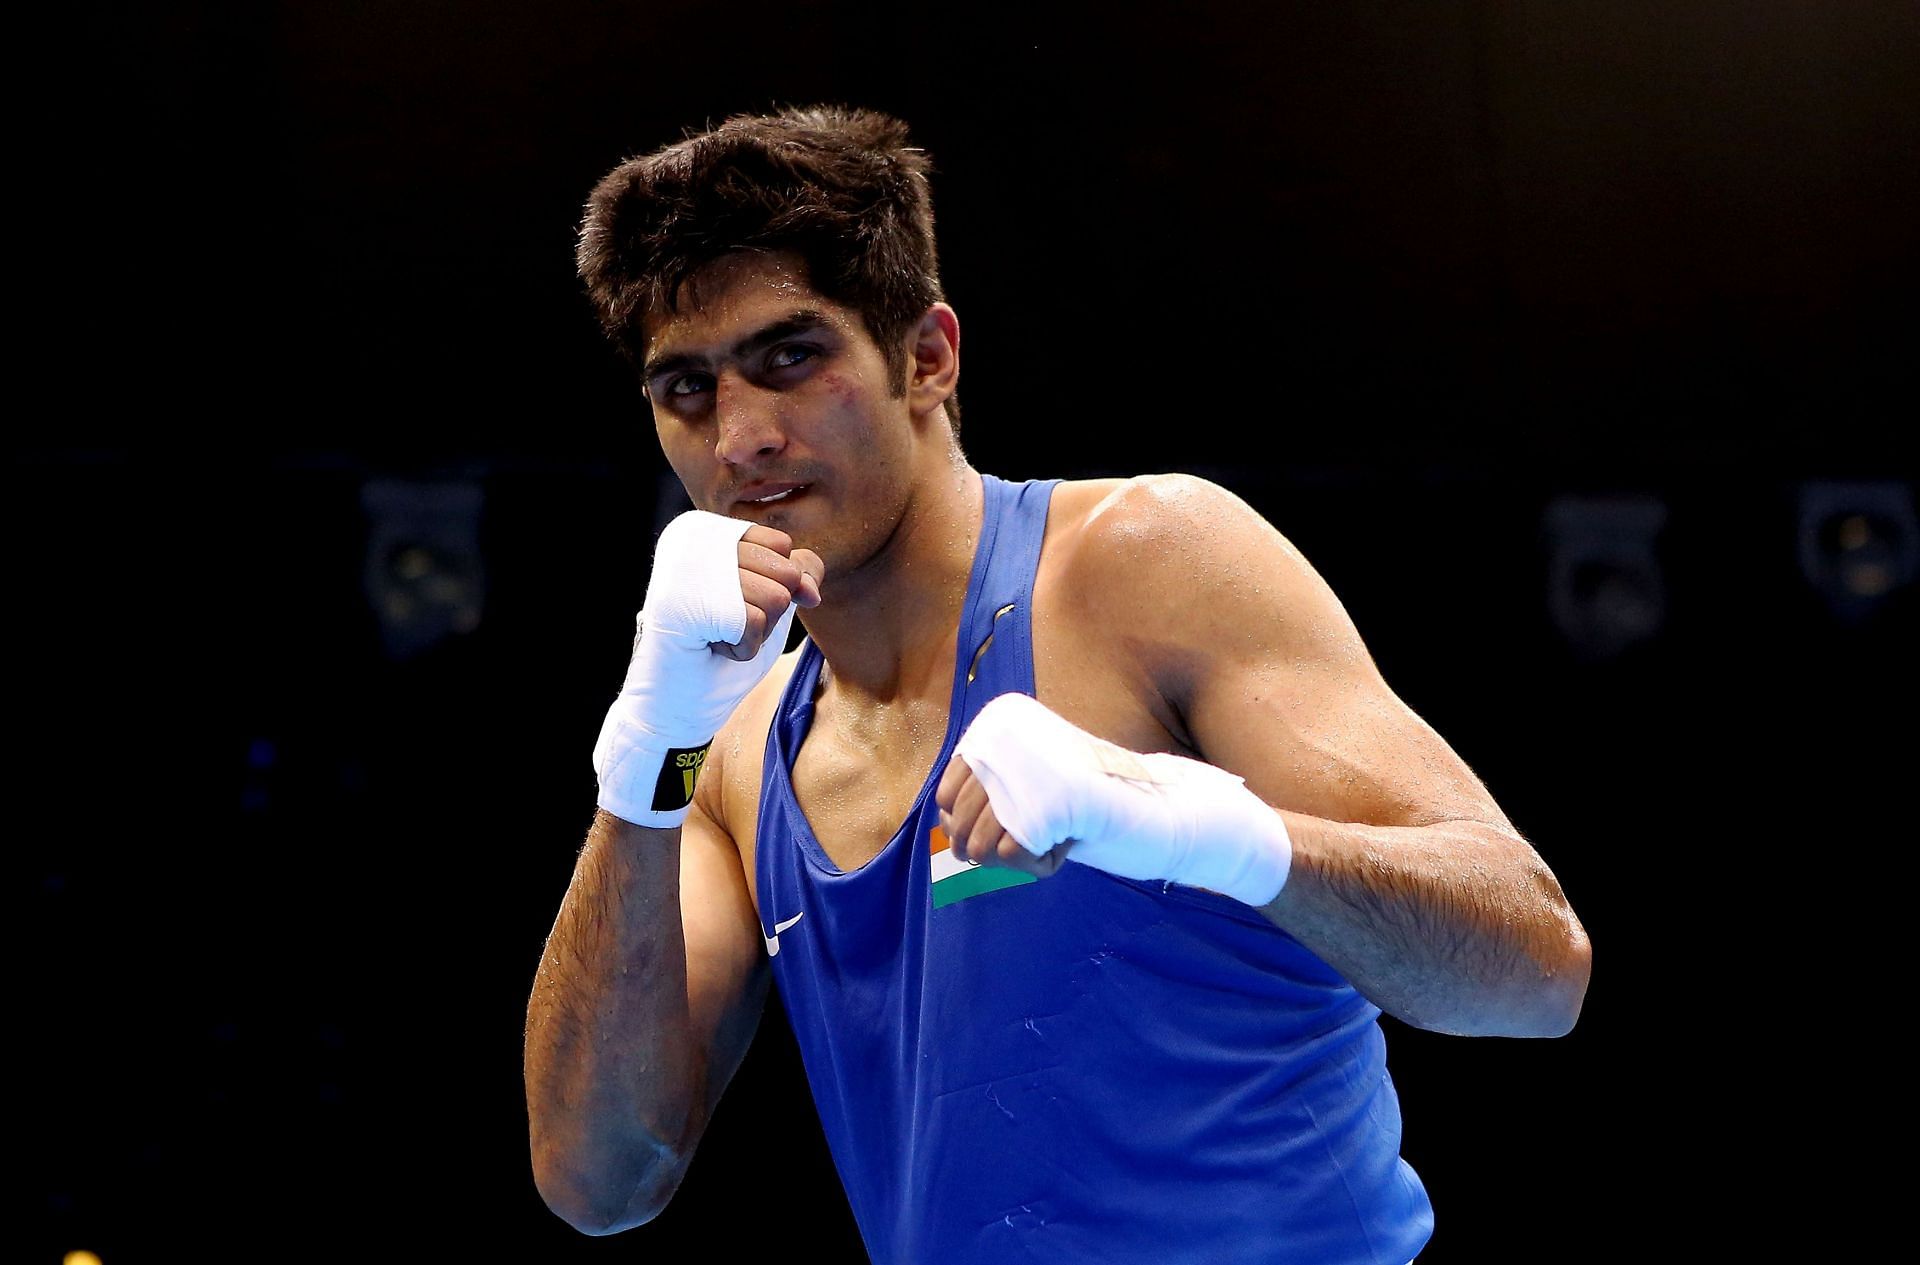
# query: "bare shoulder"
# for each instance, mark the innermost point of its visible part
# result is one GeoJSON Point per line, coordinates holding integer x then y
{"type": "Point", "coordinates": [1134, 545]}
{"type": "Point", "coordinates": [1183, 577]}
{"type": "Point", "coordinates": [1137, 579]}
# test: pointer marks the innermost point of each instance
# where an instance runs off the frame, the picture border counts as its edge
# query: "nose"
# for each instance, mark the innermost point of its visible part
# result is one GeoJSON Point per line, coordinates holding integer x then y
{"type": "Point", "coordinates": [747, 421]}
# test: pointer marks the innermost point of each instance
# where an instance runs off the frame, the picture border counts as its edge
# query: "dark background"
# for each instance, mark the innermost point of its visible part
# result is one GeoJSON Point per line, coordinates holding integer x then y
{"type": "Point", "coordinates": [1573, 342]}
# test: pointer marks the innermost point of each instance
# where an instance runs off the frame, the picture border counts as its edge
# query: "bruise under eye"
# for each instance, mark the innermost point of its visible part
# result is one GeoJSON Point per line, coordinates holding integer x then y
{"type": "Point", "coordinates": [674, 386]}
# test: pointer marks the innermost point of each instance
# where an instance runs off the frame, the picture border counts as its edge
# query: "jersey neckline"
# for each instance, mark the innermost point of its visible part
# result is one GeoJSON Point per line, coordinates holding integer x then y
{"type": "Point", "coordinates": [795, 715]}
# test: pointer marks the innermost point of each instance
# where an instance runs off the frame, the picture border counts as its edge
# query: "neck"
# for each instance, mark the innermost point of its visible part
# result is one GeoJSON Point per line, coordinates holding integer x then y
{"type": "Point", "coordinates": [887, 627]}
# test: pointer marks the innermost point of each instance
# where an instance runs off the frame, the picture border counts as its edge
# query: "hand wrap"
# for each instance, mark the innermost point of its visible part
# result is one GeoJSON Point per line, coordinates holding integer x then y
{"type": "Point", "coordinates": [678, 691]}
{"type": "Point", "coordinates": [1139, 816]}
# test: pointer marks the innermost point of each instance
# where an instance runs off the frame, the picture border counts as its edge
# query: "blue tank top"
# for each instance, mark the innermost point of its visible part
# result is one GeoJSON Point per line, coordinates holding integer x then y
{"type": "Point", "coordinates": [1072, 1069]}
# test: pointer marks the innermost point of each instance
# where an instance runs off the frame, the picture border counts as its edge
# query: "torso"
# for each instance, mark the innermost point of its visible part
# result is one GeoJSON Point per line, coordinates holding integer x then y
{"type": "Point", "coordinates": [856, 782]}
{"type": "Point", "coordinates": [970, 1034]}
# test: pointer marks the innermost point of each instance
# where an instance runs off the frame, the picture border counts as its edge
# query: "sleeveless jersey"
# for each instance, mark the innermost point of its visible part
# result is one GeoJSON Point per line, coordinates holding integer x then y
{"type": "Point", "coordinates": [1077, 1068]}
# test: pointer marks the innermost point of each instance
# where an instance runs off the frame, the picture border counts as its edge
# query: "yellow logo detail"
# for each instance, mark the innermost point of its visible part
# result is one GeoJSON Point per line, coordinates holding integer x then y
{"type": "Point", "coordinates": [690, 763]}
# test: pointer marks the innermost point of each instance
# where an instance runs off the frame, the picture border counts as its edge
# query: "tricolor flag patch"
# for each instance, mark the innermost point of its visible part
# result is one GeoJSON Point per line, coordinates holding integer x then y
{"type": "Point", "coordinates": [954, 879]}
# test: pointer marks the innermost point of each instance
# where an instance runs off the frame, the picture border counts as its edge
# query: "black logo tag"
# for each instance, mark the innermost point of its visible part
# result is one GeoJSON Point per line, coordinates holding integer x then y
{"type": "Point", "coordinates": [678, 772]}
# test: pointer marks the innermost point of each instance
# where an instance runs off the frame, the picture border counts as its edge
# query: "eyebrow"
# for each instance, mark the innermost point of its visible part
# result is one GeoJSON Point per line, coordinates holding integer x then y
{"type": "Point", "coordinates": [799, 321]}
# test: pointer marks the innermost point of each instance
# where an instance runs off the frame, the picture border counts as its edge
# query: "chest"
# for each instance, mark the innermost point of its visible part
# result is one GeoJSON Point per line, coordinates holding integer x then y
{"type": "Point", "coordinates": [857, 776]}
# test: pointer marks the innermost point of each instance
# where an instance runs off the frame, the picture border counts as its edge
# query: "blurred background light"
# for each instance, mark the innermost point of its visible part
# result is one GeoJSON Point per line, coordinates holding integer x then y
{"type": "Point", "coordinates": [425, 578]}
{"type": "Point", "coordinates": [1605, 586]}
{"type": "Point", "coordinates": [1859, 543]}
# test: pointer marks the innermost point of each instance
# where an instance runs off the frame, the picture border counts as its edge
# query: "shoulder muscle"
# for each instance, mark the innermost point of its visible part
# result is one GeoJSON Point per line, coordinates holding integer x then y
{"type": "Point", "coordinates": [1200, 577]}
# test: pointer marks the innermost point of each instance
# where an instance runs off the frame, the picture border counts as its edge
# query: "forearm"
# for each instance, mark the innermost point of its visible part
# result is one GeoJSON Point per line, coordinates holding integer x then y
{"type": "Point", "coordinates": [1456, 927]}
{"type": "Point", "coordinates": [615, 1081]}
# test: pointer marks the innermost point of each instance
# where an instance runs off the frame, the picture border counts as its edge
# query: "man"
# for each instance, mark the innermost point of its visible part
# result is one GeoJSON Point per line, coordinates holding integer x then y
{"type": "Point", "coordinates": [1081, 833]}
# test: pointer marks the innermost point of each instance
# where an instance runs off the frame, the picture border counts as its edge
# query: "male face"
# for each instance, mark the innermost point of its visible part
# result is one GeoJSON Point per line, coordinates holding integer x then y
{"type": "Point", "coordinates": [772, 404]}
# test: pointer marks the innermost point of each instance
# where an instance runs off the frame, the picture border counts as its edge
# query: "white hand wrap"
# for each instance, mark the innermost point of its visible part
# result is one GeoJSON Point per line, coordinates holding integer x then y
{"type": "Point", "coordinates": [678, 691]}
{"type": "Point", "coordinates": [1139, 816]}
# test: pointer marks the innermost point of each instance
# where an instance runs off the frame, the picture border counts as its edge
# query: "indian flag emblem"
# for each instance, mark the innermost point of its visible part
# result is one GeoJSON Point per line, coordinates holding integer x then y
{"type": "Point", "coordinates": [954, 879]}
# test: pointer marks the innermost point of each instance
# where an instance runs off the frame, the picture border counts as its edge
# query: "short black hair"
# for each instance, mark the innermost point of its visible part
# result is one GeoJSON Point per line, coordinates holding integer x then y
{"type": "Point", "coordinates": [837, 185]}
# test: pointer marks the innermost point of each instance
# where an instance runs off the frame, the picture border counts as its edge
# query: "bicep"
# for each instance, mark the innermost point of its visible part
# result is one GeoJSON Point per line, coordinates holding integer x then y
{"type": "Point", "coordinates": [727, 971]}
{"type": "Point", "coordinates": [1332, 740]}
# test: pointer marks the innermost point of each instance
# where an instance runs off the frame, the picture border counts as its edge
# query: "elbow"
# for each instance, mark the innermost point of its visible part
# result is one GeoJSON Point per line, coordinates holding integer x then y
{"type": "Point", "coordinates": [1568, 984]}
{"type": "Point", "coordinates": [1543, 1001]}
{"type": "Point", "coordinates": [592, 1217]}
{"type": "Point", "coordinates": [1563, 965]}
{"type": "Point", "coordinates": [610, 1199]}
{"type": "Point", "coordinates": [1559, 992]}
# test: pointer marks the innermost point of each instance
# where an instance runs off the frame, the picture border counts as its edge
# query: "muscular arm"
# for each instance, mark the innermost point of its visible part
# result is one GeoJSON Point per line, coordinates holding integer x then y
{"type": "Point", "coordinates": [652, 981]}
{"type": "Point", "coordinates": [645, 1001]}
{"type": "Point", "coordinates": [1406, 876]}
{"type": "Point", "coordinates": [1456, 926]}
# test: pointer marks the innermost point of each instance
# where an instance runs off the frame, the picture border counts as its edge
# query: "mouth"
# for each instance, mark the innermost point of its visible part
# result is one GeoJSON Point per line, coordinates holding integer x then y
{"type": "Point", "coordinates": [771, 494]}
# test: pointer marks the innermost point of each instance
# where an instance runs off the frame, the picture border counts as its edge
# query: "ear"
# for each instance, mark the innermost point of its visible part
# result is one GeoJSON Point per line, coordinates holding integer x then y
{"type": "Point", "coordinates": [933, 359]}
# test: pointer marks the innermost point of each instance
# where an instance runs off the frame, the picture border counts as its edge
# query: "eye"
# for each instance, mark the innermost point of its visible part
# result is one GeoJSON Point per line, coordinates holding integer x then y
{"type": "Point", "coordinates": [688, 384]}
{"type": "Point", "coordinates": [791, 354]}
